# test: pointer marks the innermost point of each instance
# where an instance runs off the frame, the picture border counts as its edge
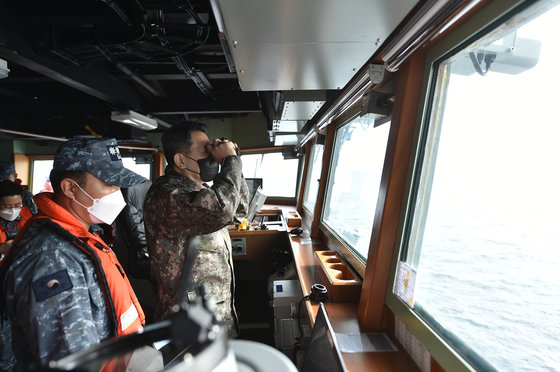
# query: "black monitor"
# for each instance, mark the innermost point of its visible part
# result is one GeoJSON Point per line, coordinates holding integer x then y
{"type": "Point", "coordinates": [323, 354]}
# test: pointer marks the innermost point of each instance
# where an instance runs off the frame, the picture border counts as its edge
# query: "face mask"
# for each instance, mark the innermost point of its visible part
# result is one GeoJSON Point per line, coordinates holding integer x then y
{"type": "Point", "coordinates": [10, 214]}
{"type": "Point", "coordinates": [208, 168]}
{"type": "Point", "coordinates": [106, 209]}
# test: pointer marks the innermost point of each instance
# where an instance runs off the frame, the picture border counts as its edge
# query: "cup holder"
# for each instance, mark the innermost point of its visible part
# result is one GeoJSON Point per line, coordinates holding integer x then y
{"type": "Point", "coordinates": [327, 253]}
{"type": "Point", "coordinates": [336, 274]}
{"type": "Point", "coordinates": [333, 260]}
{"type": "Point", "coordinates": [343, 273]}
{"type": "Point", "coordinates": [339, 267]}
{"type": "Point", "coordinates": [343, 284]}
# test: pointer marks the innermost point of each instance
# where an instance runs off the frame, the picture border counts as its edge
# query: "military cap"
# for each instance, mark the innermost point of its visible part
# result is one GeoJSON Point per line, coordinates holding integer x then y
{"type": "Point", "coordinates": [98, 156]}
{"type": "Point", "coordinates": [6, 169]}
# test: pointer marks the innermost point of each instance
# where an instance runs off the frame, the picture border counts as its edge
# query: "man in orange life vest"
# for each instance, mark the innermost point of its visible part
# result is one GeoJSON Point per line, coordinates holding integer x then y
{"type": "Point", "coordinates": [13, 214]}
{"type": "Point", "coordinates": [63, 288]}
{"type": "Point", "coordinates": [8, 172]}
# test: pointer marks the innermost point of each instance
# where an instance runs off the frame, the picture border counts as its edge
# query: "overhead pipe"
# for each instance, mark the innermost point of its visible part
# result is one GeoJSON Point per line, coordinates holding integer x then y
{"type": "Point", "coordinates": [63, 139]}
{"type": "Point", "coordinates": [134, 76]}
{"type": "Point", "coordinates": [432, 19]}
{"type": "Point", "coordinates": [117, 9]}
{"type": "Point", "coordinates": [353, 91]}
{"type": "Point", "coordinates": [40, 136]}
{"type": "Point", "coordinates": [197, 77]}
{"type": "Point", "coordinates": [190, 10]}
{"type": "Point", "coordinates": [137, 78]}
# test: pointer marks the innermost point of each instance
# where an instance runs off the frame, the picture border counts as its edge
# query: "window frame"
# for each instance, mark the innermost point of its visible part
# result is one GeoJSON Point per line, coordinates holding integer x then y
{"type": "Point", "coordinates": [308, 180]}
{"type": "Point", "coordinates": [330, 236]}
{"type": "Point", "coordinates": [494, 14]}
{"type": "Point", "coordinates": [357, 262]}
{"type": "Point", "coordinates": [282, 200]}
{"type": "Point", "coordinates": [152, 163]}
{"type": "Point", "coordinates": [32, 159]}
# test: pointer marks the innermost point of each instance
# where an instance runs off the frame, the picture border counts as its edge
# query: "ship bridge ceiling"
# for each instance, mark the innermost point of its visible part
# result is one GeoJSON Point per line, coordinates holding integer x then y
{"type": "Point", "coordinates": [302, 52]}
{"type": "Point", "coordinates": [71, 63]}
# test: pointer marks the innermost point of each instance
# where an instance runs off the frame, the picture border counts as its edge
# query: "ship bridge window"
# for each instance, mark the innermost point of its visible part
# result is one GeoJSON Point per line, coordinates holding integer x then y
{"type": "Point", "coordinates": [313, 177]}
{"type": "Point", "coordinates": [140, 164]}
{"type": "Point", "coordinates": [479, 255]}
{"type": "Point", "coordinates": [41, 170]}
{"type": "Point", "coordinates": [40, 173]}
{"type": "Point", "coordinates": [354, 180]}
{"type": "Point", "coordinates": [279, 175]}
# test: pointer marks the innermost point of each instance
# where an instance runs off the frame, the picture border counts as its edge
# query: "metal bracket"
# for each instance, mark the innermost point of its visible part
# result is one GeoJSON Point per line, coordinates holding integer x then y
{"type": "Point", "coordinates": [376, 72]}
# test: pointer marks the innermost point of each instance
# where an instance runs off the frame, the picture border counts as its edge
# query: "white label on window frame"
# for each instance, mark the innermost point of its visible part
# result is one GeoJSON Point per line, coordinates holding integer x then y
{"type": "Point", "coordinates": [406, 280]}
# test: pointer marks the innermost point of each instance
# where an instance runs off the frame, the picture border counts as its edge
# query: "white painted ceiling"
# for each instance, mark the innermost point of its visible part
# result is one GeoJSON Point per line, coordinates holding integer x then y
{"type": "Point", "coordinates": [305, 44]}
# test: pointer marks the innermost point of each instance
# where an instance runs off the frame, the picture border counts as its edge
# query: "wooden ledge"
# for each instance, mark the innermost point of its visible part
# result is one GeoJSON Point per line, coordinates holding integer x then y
{"type": "Point", "coordinates": [309, 273]}
{"type": "Point", "coordinates": [342, 315]}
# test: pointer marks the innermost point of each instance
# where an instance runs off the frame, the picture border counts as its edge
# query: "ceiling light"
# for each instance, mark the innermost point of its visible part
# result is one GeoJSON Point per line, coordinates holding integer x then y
{"type": "Point", "coordinates": [134, 119]}
{"type": "Point", "coordinates": [4, 70]}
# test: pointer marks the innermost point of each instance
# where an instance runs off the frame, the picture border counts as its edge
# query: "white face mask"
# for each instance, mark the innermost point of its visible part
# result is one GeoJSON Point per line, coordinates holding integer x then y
{"type": "Point", "coordinates": [106, 209]}
{"type": "Point", "coordinates": [10, 214]}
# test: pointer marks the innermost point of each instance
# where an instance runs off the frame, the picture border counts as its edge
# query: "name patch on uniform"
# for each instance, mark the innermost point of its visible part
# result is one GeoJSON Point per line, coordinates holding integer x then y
{"type": "Point", "coordinates": [52, 285]}
{"type": "Point", "coordinates": [114, 153]}
{"type": "Point", "coordinates": [128, 317]}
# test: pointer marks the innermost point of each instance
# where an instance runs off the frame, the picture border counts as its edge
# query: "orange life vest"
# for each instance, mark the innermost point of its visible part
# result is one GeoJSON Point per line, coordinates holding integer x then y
{"type": "Point", "coordinates": [122, 304]}
{"type": "Point", "coordinates": [25, 215]}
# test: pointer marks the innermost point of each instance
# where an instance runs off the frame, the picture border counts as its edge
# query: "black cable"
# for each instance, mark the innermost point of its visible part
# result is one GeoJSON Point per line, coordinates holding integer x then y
{"type": "Point", "coordinates": [197, 47]}
{"type": "Point", "coordinates": [300, 329]}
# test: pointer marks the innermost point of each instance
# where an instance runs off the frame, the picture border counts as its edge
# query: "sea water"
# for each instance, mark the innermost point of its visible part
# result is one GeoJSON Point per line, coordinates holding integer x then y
{"type": "Point", "coordinates": [493, 283]}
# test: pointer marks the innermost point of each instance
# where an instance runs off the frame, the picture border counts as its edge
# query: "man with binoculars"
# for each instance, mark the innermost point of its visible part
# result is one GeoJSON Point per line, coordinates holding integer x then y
{"type": "Point", "coordinates": [180, 205]}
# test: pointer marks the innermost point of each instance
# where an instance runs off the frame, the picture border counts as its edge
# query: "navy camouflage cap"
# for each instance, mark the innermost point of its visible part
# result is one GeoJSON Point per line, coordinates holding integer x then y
{"type": "Point", "coordinates": [6, 169]}
{"type": "Point", "coordinates": [98, 156]}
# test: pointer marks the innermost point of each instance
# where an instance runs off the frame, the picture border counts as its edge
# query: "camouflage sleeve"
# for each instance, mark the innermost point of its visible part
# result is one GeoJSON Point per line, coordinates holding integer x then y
{"type": "Point", "coordinates": [133, 226]}
{"type": "Point", "coordinates": [209, 209]}
{"type": "Point", "coordinates": [57, 325]}
{"type": "Point", "coordinates": [243, 208]}
{"type": "Point", "coordinates": [29, 202]}
{"type": "Point", "coordinates": [7, 358]}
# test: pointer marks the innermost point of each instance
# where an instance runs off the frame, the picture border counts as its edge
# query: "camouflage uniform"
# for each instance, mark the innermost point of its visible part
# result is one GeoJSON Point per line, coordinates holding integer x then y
{"type": "Point", "coordinates": [7, 358]}
{"type": "Point", "coordinates": [177, 208]}
{"type": "Point", "coordinates": [27, 200]}
{"type": "Point", "coordinates": [60, 325]}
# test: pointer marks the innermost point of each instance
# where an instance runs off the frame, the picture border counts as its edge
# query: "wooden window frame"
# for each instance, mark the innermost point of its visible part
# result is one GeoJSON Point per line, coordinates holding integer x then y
{"type": "Point", "coordinates": [419, 77]}
{"type": "Point", "coordinates": [280, 200]}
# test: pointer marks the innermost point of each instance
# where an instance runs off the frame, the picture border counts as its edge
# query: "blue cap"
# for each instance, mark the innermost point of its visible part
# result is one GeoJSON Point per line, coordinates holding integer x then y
{"type": "Point", "coordinates": [6, 169]}
{"type": "Point", "coordinates": [98, 156]}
